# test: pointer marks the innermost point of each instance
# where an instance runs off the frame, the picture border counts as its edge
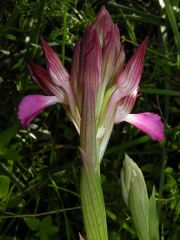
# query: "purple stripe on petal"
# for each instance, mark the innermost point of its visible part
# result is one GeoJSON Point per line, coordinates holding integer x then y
{"type": "Point", "coordinates": [149, 123]}
{"type": "Point", "coordinates": [92, 64]}
{"type": "Point", "coordinates": [103, 24]}
{"type": "Point", "coordinates": [119, 65]}
{"type": "Point", "coordinates": [125, 106]}
{"type": "Point", "coordinates": [75, 67]}
{"type": "Point", "coordinates": [129, 78]}
{"type": "Point", "coordinates": [110, 55]}
{"type": "Point", "coordinates": [42, 78]}
{"type": "Point", "coordinates": [58, 73]}
{"type": "Point", "coordinates": [32, 105]}
{"type": "Point", "coordinates": [55, 67]}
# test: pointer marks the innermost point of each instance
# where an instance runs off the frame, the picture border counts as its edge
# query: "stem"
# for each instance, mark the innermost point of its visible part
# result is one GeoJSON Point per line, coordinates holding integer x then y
{"type": "Point", "coordinates": [92, 202]}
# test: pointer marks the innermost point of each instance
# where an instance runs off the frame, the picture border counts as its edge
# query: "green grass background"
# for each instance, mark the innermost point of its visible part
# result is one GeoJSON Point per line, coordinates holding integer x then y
{"type": "Point", "coordinates": [40, 166]}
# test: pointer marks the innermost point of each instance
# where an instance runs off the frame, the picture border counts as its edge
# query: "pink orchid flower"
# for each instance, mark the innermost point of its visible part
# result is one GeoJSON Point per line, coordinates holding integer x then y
{"type": "Point", "coordinates": [100, 91]}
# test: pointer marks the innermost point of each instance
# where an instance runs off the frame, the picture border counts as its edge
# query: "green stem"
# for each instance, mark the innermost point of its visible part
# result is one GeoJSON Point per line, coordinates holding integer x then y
{"type": "Point", "coordinates": [92, 202]}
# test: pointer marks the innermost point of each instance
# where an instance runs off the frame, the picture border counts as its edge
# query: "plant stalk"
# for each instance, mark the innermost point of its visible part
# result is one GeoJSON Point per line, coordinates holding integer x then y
{"type": "Point", "coordinates": [92, 202]}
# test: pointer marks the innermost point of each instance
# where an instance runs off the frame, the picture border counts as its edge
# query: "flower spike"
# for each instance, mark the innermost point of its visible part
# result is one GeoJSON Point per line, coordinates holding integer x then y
{"type": "Point", "coordinates": [101, 88]}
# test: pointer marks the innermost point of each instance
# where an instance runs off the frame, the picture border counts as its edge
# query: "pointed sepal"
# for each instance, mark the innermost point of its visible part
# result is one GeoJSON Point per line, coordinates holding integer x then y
{"type": "Point", "coordinates": [57, 71]}
{"type": "Point", "coordinates": [129, 78]}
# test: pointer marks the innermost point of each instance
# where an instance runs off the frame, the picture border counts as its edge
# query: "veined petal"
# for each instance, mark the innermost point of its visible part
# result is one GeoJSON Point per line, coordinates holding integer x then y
{"type": "Point", "coordinates": [84, 46]}
{"type": "Point", "coordinates": [103, 24]}
{"type": "Point", "coordinates": [119, 65]}
{"type": "Point", "coordinates": [91, 72]}
{"type": "Point", "coordinates": [59, 75]}
{"type": "Point", "coordinates": [110, 55]}
{"type": "Point", "coordinates": [125, 106]}
{"type": "Point", "coordinates": [75, 67]}
{"type": "Point", "coordinates": [32, 105]}
{"type": "Point", "coordinates": [129, 78]}
{"type": "Point", "coordinates": [55, 67]}
{"type": "Point", "coordinates": [113, 34]}
{"type": "Point", "coordinates": [90, 83]}
{"type": "Point", "coordinates": [149, 123]}
{"type": "Point", "coordinates": [42, 78]}
{"type": "Point", "coordinates": [88, 123]}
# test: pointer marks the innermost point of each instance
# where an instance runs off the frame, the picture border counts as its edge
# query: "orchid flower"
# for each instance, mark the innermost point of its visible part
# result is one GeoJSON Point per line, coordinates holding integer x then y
{"type": "Point", "coordinates": [100, 85]}
{"type": "Point", "coordinates": [100, 91]}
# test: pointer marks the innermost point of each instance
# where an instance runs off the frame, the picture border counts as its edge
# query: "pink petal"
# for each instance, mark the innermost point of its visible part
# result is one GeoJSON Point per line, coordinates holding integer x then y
{"type": "Point", "coordinates": [110, 55]}
{"type": "Point", "coordinates": [91, 72]}
{"type": "Point", "coordinates": [42, 78]}
{"type": "Point", "coordinates": [103, 24]}
{"type": "Point", "coordinates": [32, 105]}
{"type": "Point", "coordinates": [125, 106]}
{"type": "Point", "coordinates": [91, 66]}
{"type": "Point", "coordinates": [75, 67]}
{"type": "Point", "coordinates": [55, 67]}
{"type": "Point", "coordinates": [149, 123]}
{"type": "Point", "coordinates": [129, 78]}
{"type": "Point", "coordinates": [119, 65]}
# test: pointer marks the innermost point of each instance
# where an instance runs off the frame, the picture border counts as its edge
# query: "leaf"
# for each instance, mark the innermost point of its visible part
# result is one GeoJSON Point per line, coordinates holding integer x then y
{"type": "Point", "coordinates": [33, 223]}
{"type": "Point", "coordinates": [6, 135]}
{"type": "Point", "coordinates": [46, 222]}
{"type": "Point", "coordinates": [46, 228]}
{"type": "Point", "coordinates": [4, 186]}
{"type": "Point", "coordinates": [153, 218]}
{"type": "Point", "coordinates": [4, 192]}
{"type": "Point", "coordinates": [52, 230]}
{"type": "Point", "coordinates": [11, 154]}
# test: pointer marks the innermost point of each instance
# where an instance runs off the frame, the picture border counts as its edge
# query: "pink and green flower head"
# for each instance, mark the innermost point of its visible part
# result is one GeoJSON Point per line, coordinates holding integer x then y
{"type": "Point", "coordinates": [100, 90]}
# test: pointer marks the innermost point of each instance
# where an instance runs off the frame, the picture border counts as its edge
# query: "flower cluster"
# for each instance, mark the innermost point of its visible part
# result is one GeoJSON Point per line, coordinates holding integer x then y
{"type": "Point", "coordinates": [101, 89]}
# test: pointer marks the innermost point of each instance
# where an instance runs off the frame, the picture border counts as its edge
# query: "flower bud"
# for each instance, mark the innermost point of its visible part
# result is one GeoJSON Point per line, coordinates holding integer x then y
{"type": "Point", "coordinates": [135, 195]}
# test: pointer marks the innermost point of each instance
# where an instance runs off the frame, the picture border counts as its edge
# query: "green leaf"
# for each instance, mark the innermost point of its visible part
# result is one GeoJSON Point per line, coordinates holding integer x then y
{"type": "Point", "coordinates": [6, 136]}
{"type": "Point", "coordinates": [137, 15]}
{"type": "Point", "coordinates": [33, 223]}
{"type": "Point", "coordinates": [153, 218]}
{"type": "Point", "coordinates": [46, 222]}
{"type": "Point", "coordinates": [139, 210]}
{"type": "Point", "coordinates": [11, 154]}
{"type": "Point", "coordinates": [174, 26]}
{"type": "Point", "coordinates": [46, 228]}
{"type": "Point", "coordinates": [4, 192]}
{"type": "Point", "coordinates": [4, 186]}
{"type": "Point", "coordinates": [42, 235]}
{"type": "Point", "coordinates": [52, 230]}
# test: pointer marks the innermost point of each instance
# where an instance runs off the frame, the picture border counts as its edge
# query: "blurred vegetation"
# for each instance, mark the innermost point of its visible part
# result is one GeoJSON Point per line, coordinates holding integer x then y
{"type": "Point", "coordinates": [40, 166]}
